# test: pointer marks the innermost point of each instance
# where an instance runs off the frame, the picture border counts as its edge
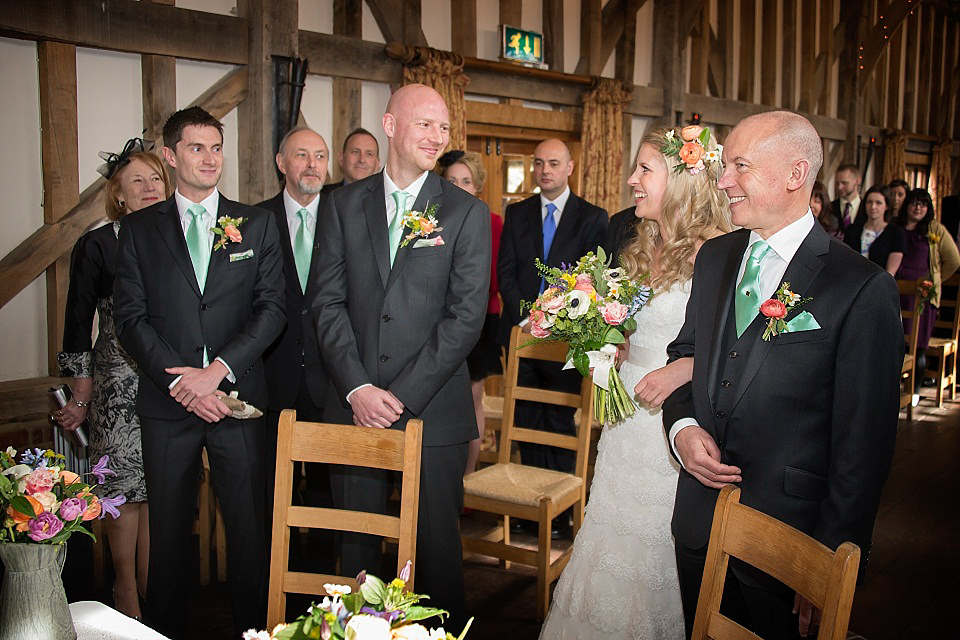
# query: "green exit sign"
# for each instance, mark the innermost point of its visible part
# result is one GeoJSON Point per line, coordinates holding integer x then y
{"type": "Point", "coordinates": [523, 46]}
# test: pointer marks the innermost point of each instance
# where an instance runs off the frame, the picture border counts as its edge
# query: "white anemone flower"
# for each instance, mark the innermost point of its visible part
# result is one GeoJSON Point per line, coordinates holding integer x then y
{"type": "Point", "coordinates": [367, 627]}
{"type": "Point", "coordinates": [578, 303]}
{"type": "Point", "coordinates": [337, 590]}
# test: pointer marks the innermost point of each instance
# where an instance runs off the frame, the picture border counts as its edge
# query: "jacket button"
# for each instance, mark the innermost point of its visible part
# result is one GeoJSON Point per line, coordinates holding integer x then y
{"type": "Point", "coordinates": [198, 349]}
{"type": "Point", "coordinates": [384, 358]}
{"type": "Point", "coordinates": [385, 318]}
{"type": "Point", "coordinates": [203, 307]}
{"type": "Point", "coordinates": [733, 354]}
{"type": "Point", "coordinates": [303, 312]}
{"type": "Point", "coordinates": [721, 415]}
{"type": "Point", "coordinates": [720, 443]}
{"type": "Point", "coordinates": [724, 383]}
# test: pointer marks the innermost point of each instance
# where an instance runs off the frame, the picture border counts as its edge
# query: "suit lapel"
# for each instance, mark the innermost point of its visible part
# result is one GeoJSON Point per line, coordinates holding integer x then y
{"type": "Point", "coordinates": [375, 212]}
{"type": "Point", "coordinates": [430, 194]}
{"type": "Point", "coordinates": [279, 211]}
{"type": "Point", "coordinates": [568, 221]}
{"type": "Point", "coordinates": [533, 222]}
{"type": "Point", "coordinates": [218, 258]}
{"type": "Point", "coordinates": [314, 253]}
{"type": "Point", "coordinates": [721, 303]}
{"type": "Point", "coordinates": [170, 229]}
{"type": "Point", "coordinates": [801, 273]}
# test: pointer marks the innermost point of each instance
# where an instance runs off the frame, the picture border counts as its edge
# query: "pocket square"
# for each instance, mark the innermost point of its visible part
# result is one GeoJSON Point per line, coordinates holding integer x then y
{"type": "Point", "coordinates": [428, 242]}
{"type": "Point", "coordinates": [237, 257]}
{"type": "Point", "coordinates": [804, 321]}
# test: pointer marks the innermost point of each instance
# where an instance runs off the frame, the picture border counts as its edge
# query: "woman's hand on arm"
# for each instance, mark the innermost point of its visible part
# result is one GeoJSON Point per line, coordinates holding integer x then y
{"type": "Point", "coordinates": [657, 385]}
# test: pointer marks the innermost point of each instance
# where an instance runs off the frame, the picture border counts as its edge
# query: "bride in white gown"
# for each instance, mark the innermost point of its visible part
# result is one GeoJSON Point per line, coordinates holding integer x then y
{"type": "Point", "coordinates": [621, 581]}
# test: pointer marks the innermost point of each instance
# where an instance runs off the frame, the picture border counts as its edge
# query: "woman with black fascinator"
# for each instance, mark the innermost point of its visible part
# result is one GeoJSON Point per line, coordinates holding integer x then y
{"type": "Point", "coordinates": [104, 378]}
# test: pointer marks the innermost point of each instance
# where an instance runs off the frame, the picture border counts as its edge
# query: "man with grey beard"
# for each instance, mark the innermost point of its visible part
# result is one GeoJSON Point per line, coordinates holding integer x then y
{"type": "Point", "coordinates": [295, 375]}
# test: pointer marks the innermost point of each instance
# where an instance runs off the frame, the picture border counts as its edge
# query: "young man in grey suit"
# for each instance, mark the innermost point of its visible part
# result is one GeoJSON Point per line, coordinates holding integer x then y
{"type": "Point", "coordinates": [803, 420]}
{"type": "Point", "coordinates": [196, 317]}
{"type": "Point", "coordinates": [399, 321]}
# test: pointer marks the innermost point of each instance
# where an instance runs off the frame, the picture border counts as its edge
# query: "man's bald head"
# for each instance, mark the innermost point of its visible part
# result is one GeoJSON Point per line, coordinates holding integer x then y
{"type": "Point", "coordinates": [552, 167]}
{"type": "Point", "coordinates": [789, 135]}
{"type": "Point", "coordinates": [417, 125]}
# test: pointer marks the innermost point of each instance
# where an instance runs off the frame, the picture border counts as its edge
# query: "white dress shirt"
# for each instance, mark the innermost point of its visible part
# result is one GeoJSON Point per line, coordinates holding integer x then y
{"type": "Point", "coordinates": [785, 244]}
{"type": "Point", "coordinates": [854, 207]}
{"type": "Point", "coordinates": [560, 203]}
{"type": "Point", "coordinates": [292, 209]}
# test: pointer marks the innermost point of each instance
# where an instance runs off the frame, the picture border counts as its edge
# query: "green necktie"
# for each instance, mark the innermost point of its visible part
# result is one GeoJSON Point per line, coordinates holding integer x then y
{"type": "Point", "coordinates": [748, 291]}
{"type": "Point", "coordinates": [198, 243]}
{"type": "Point", "coordinates": [303, 249]}
{"type": "Point", "coordinates": [396, 224]}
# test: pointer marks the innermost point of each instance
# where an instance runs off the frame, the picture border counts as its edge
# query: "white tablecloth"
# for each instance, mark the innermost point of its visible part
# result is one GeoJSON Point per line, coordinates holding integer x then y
{"type": "Point", "coordinates": [96, 621]}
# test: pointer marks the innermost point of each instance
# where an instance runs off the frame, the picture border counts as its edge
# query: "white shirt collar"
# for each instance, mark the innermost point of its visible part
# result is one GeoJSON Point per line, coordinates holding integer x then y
{"type": "Point", "coordinates": [560, 203]}
{"type": "Point", "coordinates": [211, 203]}
{"type": "Point", "coordinates": [786, 241]}
{"type": "Point", "coordinates": [389, 186]}
{"type": "Point", "coordinates": [293, 207]}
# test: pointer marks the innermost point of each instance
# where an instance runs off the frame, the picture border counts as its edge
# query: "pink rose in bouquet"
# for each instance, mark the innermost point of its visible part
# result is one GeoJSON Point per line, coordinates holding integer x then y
{"type": "Point", "coordinates": [614, 312]}
{"type": "Point", "coordinates": [39, 480]}
{"type": "Point", "coordinates": [537, 320]}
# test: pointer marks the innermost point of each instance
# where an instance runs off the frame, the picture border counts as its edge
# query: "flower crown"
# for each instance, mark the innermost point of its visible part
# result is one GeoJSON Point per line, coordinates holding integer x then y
{"type": "Point", "coordinates": [691, 146]}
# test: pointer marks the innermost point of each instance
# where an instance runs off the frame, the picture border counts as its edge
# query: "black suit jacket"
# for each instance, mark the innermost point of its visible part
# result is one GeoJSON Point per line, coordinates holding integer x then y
{"type": "Point", "coordinates": [620, 232]}
{"type": "Point", "coordinates": [408, 328]}
{"type": "Point", "coordinates": [331, 187]}
{"type": "Point", "coordinates": [891, 240]}
{"type": "Point", "coordinates": [295, 355]}
{"type": "Point", "coordinates": [163, 320]}
{"type": "Point", "coordinates": [582, 228]}
{"type": "Point", "coordinates": [813, 417]}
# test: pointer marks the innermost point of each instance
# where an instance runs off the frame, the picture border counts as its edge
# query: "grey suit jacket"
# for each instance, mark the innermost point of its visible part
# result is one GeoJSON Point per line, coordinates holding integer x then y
{"type": "Point", "coordinates": [407, 329]}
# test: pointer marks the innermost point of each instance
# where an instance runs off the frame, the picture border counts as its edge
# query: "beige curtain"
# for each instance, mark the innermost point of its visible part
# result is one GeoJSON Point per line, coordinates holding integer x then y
{"type": "Point", "coordinates": [602, 156]}
{"type": "Point", "coordinates": [442, 71]}
{"type": "Point", "coordinates": [894, 159]}
{"type": "Point", "coordinates": [940, 176]}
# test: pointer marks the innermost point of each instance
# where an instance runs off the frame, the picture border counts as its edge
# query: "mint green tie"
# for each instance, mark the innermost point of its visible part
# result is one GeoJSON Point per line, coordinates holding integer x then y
{"type": "Point", "coordinates": [396, 224]}
{"type": "Point", "coordinates": [198, 243]}
{"type": "Point", "coordinates": [748, 291]}
{"type": "Point", "coordinates": [303, 249]}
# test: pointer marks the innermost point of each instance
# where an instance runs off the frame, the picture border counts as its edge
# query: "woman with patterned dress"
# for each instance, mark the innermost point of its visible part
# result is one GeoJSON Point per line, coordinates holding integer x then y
{"type": "Point", "coordinates": [621, 581]}
{"type": "Point", "coordinates": [104, 378]}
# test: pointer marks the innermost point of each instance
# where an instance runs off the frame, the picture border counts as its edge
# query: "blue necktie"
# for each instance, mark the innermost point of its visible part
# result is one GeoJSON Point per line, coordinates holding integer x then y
{"type": "Point", "coordinates": [549, 231]}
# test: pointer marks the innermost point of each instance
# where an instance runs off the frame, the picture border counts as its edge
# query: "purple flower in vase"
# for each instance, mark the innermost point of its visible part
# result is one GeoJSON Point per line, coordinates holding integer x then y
{"type": "Point", "coordinates": [72, 508]}
{"type": "Point", "coordinates": [100, 471]}
{"type": "Point", "coordinates": [110, 505]}
{"type": "Point", "coordinates": [44, 526]}
{"type": "Point", "coordinates": [389, 616]}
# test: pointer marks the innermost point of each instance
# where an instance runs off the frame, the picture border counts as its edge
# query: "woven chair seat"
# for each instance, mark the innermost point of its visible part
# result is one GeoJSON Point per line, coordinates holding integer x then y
{"type": "Point", "coordinates": [520, 484]}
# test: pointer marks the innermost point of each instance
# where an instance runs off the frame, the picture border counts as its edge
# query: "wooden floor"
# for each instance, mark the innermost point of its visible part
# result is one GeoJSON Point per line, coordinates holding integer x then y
{"type": "Point", "coordinates": [913, 579]}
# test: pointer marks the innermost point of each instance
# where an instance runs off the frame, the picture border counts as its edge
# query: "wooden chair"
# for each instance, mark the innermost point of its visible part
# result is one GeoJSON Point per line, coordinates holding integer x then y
{"type": "Point", "coordinates": [944, 348]}
{"type": "Point", "coordinates": [348, 445]}
{"type": "Point", "coordinates": [513, 490]}
{"type": "Point", "coordinates": [908, 375]}
{"type": "Point", "coordinates": [824, 577]}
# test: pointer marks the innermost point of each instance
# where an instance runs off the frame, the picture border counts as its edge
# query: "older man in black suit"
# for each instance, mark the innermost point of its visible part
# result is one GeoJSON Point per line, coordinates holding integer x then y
{"type": "Point", "coordinates": [198, 298]}
{"type": "Point", "coordinates": [803, 419]}
{"type": "Point", "coordinates": [398, 315]}
{"type": "Point", "coordinates": [556, 226]}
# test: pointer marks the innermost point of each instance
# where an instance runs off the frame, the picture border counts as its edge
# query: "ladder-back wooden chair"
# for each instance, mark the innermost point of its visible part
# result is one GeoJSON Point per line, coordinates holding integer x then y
{"type": "Point", "coordinates": [944, 347]}
{"type": "Point", "coordinates": [513, 490]}
{"type": "Point", "coordinates": [347, 445]}
{"type": "Point", "coordinates": [908, 374]}
{"type": "Point", "coordinates": [826, 578]}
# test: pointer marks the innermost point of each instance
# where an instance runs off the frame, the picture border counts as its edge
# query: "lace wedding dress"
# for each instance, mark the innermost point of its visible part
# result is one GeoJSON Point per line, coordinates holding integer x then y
{"type": "Point", "coordinates": [621, 581]}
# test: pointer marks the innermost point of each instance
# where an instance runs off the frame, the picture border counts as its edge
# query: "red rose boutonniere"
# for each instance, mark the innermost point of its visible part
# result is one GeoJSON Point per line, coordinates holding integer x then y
{"type": "Point", "coordinates": [776, 309]}
{"type": "Point", "coordinates": [228, 231]}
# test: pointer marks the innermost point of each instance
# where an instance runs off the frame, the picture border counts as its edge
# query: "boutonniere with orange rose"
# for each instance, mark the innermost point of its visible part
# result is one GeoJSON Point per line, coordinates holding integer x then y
{"type": "Point", "coordinates": [228, 231]}
{"type": "Point", "coordinates": [43, 502]}
{"type": "Point", "coordinates": [693, 148]}
{"type": "Point", "coordinates": [778, 307]}
{"type": "Point", "coordinates": [420, 223]}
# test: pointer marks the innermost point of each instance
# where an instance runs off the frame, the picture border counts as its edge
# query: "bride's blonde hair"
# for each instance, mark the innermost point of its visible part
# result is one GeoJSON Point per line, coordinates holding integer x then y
{"type": "Point", "coordinates": [693, 210]}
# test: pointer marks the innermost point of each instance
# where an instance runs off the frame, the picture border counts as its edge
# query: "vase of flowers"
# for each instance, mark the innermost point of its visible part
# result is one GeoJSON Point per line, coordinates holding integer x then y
{"type": "Point", "coordinates": [41, 505]}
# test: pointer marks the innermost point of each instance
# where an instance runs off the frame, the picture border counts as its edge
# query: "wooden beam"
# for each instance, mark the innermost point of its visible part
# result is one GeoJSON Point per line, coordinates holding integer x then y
{"type": "Point", "coordinates": [511, 12]}
{"type": "Point", "coordinates": [826, 58]}
{"type": "Point", "coordinates": [31, 257]}
{"type": "Point", "coordinates": [912, 28]}
{"type": "Point", "coordinates": [937, 52]}
{"type": "Point", "coordinates": [747, 46]}
{"type": "Point", "coordinates": [132, 27]}
{"type": "Point", "coordinates": [894, 16]}
{"type": "Point", "coordinates": [627, 44]}
{"type": "Point", "coordinates": [347, 93]}
{"type": "Point", "coordinates": [517, 116]}
{"type": "Point", "coordinates": [667, 59]}
{"type": "Point", "coordinates": [726, 21]}
{"type": "Point", "coordinates": [273, 32]}
{"type": "Point", "coordinates": [463, 27]}
{"type": "Point", "coordinates": [591, 15]}
{"type": "Point", "coordinates": [159, 87]}
{"type": "Point", "coordinates": [808, 59]}
{"type": "Point", "coordinates": [700, 49]}
{"type": "Point", "coordinates": [769, 42]}
{"type": "Point", "coordinates": [730, 112]}
{"type": "Point", "coordinates": [344, 57]}
{"type": "Point", "coordinates": [413, 23]}
{"type": "Point", "coordinates": [552, 34]}
{"type": "Point", "coordinates": [892, 119]}
{"type": "Point", "coordinates": [57, 71]}
{"type": "Point", "coordinates": [788, 73]}
{"type": "Point", "coordinates": [611, 27]}
{"type": "Point", "coordinates": [924, 74]}
{"type": "Point", "coordinates": [850, 96]}
{"type": "Point", "coordinates": [399, 20]}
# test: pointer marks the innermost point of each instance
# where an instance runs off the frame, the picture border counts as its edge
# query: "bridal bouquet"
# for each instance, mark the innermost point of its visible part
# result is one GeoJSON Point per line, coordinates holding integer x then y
{"type": "Point", "coordinates": [589, 306]}
{"type": "Point", "coordinates": [45, 503]}
{"type": "Point", "coordinates": [378, 611]}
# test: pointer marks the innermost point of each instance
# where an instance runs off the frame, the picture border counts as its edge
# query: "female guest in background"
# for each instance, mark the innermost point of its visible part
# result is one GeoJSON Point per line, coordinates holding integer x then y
{"type": "Point", "coordinates": [820, 206]}
{"type": "Point", "coordinates": [465, 169]}
{"type": "Point", "coordinates": [872, 235]}
{"type": "Point", "coordinates": [621, 582]}
{"type": "Point", "coordinates": [104, 377]}
{"type": "Point", "coordinates": [932, 254]}
{"type": "Point", "coordinates": [898, 192]}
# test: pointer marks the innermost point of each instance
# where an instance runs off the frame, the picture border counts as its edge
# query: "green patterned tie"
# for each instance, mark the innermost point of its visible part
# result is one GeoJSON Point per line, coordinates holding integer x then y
{"type": "Point", "coordinates": [396, 224]}
{"type": "Point", "coordinates": [198, 243]}
{"type": "Point", "coordinates": [748, 291]}
{"type": "Point", "coordinates": [303, 249]}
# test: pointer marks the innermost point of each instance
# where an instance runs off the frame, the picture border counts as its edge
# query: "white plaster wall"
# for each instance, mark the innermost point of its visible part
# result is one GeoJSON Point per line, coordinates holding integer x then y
{"type": "Point", "coordinates": [374, 98]}
{"type": "Point", "coordinates": [370, 29]}
{"type": "Point", "coordinates": [642, 66]}
{"type": "Point", "coordinates": [488, 33]}
{"type": "Point", "coordinates": [435, 20]}
{"type": "Point", "coordinates": [224, 7]}
{"type": "Point", "coordinates": [571, 35]}
{"type": "Point", "coordinates": [316, 15]}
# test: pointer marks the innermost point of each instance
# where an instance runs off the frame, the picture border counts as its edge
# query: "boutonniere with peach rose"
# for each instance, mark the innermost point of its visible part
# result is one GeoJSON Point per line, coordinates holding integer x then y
{"type": "Point", "coordinates": [420, 223]}
{"type": "Point", "coordinates": [692, 147]}
{"type": "Point", "coordinates": [778, 307]}
{"type": "Point", "coordinates": [228, 231]}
